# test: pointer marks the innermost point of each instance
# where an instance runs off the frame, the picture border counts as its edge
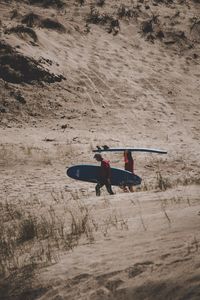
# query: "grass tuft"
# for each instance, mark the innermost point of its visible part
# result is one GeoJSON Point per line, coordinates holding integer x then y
{"type": "Point", "coordinates": [21, 30]}
{"type": "Point", "coordinates": [162, 183]}
{"type": "Point", "coordinates": [52, 24]}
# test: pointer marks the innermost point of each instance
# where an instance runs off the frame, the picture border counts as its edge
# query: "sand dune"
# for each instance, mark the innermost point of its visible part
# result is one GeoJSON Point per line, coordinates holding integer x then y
{"type": "Point", "coordinates": [74, 75]}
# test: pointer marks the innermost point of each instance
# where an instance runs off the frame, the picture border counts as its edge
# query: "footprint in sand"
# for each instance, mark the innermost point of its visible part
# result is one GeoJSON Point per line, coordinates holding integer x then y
{"type": "Point", "coordinates": [138, 268]}
{"type": "Point", "coordinates": [113, 284]}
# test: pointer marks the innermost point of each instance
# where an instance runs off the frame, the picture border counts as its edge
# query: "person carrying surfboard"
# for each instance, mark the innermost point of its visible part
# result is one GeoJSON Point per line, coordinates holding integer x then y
{"type": "Point", "coordinates": [105, 175]}
{"type": "Point", "coordinates": [128, 166]}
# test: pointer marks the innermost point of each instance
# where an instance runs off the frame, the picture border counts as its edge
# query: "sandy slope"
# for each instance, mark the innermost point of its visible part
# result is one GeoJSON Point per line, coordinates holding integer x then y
{"type": "Point", "coordinates": [119, 90]}
{"type": "Point", "coordinates": [146, 256]}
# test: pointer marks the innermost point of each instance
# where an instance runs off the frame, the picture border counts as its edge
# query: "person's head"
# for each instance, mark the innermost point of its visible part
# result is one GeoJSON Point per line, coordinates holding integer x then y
{"type": "Point", "coordinates": [98, 157]}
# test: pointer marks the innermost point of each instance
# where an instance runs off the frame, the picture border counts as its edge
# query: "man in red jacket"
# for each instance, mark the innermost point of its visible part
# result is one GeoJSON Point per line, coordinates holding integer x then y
{"type": "Point", "coordinates": [105, 175]}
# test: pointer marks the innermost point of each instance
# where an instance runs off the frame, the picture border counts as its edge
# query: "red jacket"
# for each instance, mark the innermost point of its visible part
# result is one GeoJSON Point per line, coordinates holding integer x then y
{"type": "Point", "coordinates": [129, 164]}
{"type": "Point", "coordinates": [105, 169]}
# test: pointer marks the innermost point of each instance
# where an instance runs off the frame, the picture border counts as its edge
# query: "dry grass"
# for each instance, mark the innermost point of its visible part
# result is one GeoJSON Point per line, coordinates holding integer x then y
{"type": "Point", "coordinates": [111, 23]}
{"type": "Point", "coordinates": [162, 182]}
{"type": "Point", "coordinates": [21, 31]}
{"type": "Point", "coordinates": [113, 220]}
{"type": "Point", "coordinates": [127, 12]}
{"type": "Point", "coordinates": [31, 19]}
{"type": "Point", "coordinates": [25, 154]}
{"type": "Point", "coordinates": [100, 2]}
{"type": "Point", "coordinates": [30, 239]}
{"type": "Point", "coordinates": [52, 24]}
{"type": "Point", "coordinates": [35, 234]}
{"type": "Point", "coordinates": [49, 3]}
{"type": "Point", "coordinates": [163, 208]}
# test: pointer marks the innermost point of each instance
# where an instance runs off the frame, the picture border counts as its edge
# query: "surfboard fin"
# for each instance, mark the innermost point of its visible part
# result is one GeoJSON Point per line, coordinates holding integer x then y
{"type": "Point", "coordinates": [105, 147]}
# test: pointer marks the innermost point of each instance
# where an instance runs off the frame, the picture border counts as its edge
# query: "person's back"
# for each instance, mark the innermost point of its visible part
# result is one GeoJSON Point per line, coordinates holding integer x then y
{"type": "Point", "coordinates": [129, 162]}
{"type": "Point", "coordinates": [105, 169]}
{"type": "Point", "coordinates": [128, 166]}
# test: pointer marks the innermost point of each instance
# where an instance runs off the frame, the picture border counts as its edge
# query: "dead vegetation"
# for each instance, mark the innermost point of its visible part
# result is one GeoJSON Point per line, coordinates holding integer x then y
{"type": "Point", "coordinates": [164, 2]}
{"type": "Point", "coordinates": [168, 31]}
{"type": "Point", "coordinates": [29, 239]}
{"type": "Point", "coordinates": [22, 31]}
{"type": "Point", "coordinates": [162, 182]}
{"type": "Point", "coordinates": [12, 155]}
{"type": "Point", "coordinates": [95, 17]}
{"type": "Point", "coordinates": [48, 3]}
{"type": "Point", "coordinates": [151, 25]}
{"type": "Point", "coordinates": [17, 68]}
{"type": "Point", "coordinates": [14, 14]}
{"type": "Point", "coordinates": [110, 23]}
{"type": "Point", "coordinates": [52, 24]}
{"type": "Point", "coordinates": [100, 2]}
{"type": "Point", "coordinates": [127, 12]}
{"type": "Point", "coordinates": [195, 29]}
{"type": "Point", "coordinates": [34, 20]}
{"type": "Point", "coordinates": [31, 19]}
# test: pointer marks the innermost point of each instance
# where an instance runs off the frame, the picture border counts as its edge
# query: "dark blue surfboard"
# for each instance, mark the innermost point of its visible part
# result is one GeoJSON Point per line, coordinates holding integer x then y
{"type": "Point", "coordinates": [91, 173]}
{"type": "Point", "coordinates": [150, 150]}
